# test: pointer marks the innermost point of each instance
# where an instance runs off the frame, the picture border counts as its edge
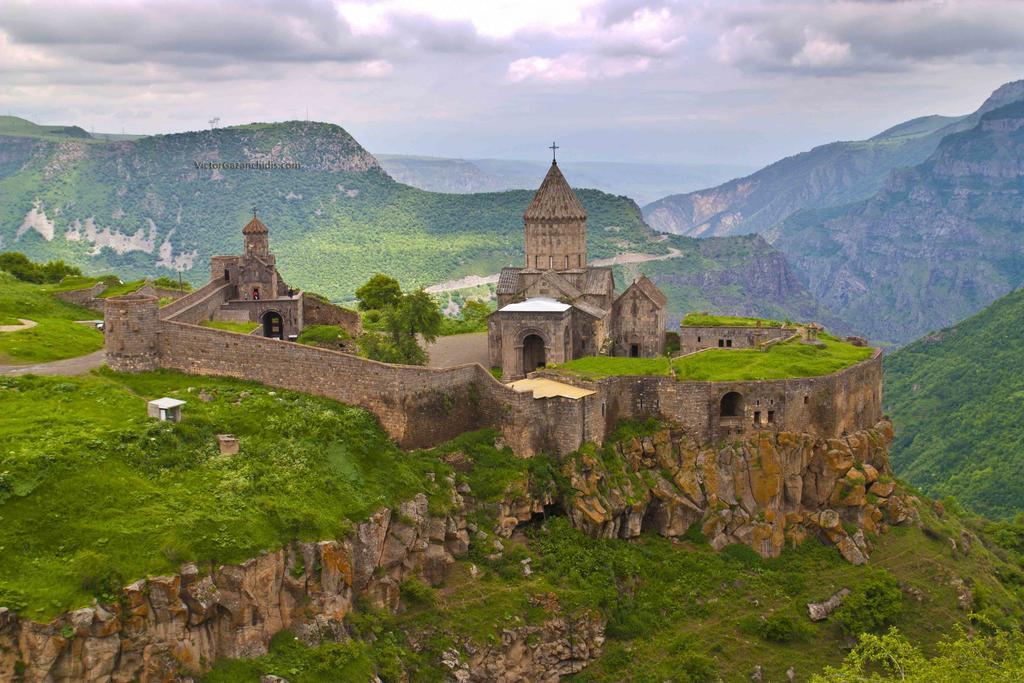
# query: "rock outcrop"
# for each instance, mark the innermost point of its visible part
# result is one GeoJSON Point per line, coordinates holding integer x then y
{"type": "Point", "coordinates": [543, 653]}
{"type": "Point", "coordinates": [165, 625]}
{"type": "Point", "coordinates": [762, 491]}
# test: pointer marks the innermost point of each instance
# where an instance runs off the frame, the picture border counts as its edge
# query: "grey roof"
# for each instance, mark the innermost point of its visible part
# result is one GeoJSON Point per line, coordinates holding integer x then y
{"type": "Point", "coordinates": [598, 281]}
{"type": "Point", "coordinates": [166, 403]}
{"type": "Point", "coordinates": [539, 304]}
{"type": "Point", "coordinates": [508, 281]}
{"type": "Point", "coordinates": [590, 309]}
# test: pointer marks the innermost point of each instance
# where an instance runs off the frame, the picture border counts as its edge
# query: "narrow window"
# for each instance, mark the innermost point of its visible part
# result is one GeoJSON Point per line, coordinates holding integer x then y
{"type": "Point", "coordinates": [602, 410]}
{"type": "Point", "coordinates": [567, 262]}
{"type": "Point", "coordinates": [771, 416]}
{"type": "Point", "coordinates": [698, 339]}
{"type": "Point", "coordinates": [728, 343]}
{"type": "Point", "coordinates": [757, 417]}
{"type": "Point", "coordinates": [807, 399]}
{"type": "Point", "coordinates": [721, 343]}
{"type": "Point", "coordinates": [579, 260]}
{"type": "Point", "coordinates": [551, 262]}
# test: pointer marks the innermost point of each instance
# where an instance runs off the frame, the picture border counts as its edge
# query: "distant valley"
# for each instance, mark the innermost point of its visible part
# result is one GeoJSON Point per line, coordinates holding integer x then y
{"type": "Point", "coordinates": [638, 181]}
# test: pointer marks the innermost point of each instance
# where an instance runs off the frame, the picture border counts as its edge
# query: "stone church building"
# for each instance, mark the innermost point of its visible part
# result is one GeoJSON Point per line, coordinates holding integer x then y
{"type": "Point", "coordinates": [559, 307]}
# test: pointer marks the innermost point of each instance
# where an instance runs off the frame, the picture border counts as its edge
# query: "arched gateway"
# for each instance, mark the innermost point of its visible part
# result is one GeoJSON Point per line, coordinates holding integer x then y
{"type": "Point", "coordinates": [273, 326]}
{"type": "Point", "coordinates": [533, 353]}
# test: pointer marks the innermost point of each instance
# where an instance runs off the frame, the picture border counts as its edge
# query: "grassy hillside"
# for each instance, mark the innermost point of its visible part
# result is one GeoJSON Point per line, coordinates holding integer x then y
{"type": "Point", "coordinates": [144, 208]}
{"type": "Point", "coordinates": [55, 335]}
{"type": "Point", "coordinates": [957, 400]}
{"type": "Point", "coordinates": [93, 495]}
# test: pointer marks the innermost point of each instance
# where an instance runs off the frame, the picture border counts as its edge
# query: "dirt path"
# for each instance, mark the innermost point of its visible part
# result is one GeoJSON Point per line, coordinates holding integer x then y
{"type": "Point", "coordinates": [25, 325]}
{"type": "Point", "coordinates": [68, 366]}
{"type": "Point", "coordinates": [620, 259]}
{"type": "Point", "coordinates": [458, 349]}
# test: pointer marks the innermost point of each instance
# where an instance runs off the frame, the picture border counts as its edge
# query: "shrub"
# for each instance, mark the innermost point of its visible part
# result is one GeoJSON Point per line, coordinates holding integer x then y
{"type": "Point", "coordinates": [782, 628]}
{"type": "Point", "coordinates": [415, 592]}
{"type": "Point", "coordinates": [872, 605]}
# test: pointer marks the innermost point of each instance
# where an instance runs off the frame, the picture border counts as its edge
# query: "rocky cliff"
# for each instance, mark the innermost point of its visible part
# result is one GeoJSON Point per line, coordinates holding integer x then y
{"type": "Point", "coordinates": [938, 243]}
{"type": "Point", "coordinates": [762, 492]}
{"type": "Point", "coordinates": [829, 175]}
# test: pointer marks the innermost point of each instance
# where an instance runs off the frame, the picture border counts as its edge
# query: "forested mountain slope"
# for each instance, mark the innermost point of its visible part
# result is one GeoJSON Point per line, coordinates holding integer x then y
{"type": "Point", "coordinates": [957, 399]}
{"type": "Point", "coordinates": [153, 205]}
{"type": "Point", "coordinates": [938, 243]}
{"type": "Point", "coordinates": [836, 173]}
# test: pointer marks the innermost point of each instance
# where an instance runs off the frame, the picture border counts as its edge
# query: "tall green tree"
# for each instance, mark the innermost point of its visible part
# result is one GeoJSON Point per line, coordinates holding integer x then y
{"type": "Point", "coordinates": [379, 293]}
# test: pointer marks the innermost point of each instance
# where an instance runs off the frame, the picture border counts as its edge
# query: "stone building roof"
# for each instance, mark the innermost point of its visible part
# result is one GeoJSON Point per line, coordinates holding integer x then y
{"type": "Point", "coordinates": [650, 290]}
{"type": "Point", "coordinates": [255, 227]}
{"type": "Point", "coordinates": [590, 309]}
{"type": "Point", "coordinates": [555, 200]}
{"type": "Point", "coordinates": [508, 280]}
{"type": "Point", "coordinates": [598, 281]}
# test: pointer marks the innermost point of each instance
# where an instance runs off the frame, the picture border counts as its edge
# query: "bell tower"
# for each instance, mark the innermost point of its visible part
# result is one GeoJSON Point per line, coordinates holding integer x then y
{"type": "Point", "coordinates": [257, 238]}
{"type": "Point", "coordinates": [555, 225]}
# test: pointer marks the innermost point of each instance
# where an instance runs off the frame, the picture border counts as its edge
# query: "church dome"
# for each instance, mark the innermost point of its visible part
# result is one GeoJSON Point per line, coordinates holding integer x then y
{"type": "Point", "coordinates": [555, 200]}
{"type": "Point", "coordinates": [255, 227]}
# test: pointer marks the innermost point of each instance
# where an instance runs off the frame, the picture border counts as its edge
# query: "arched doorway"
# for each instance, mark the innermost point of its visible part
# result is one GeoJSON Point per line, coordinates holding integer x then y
{"type": "Point", "coordinates": [732, 405]}
{"type": "Point", "coordinates": [273, 326]}
{"type": "Point", "coordinates": [533, 353]}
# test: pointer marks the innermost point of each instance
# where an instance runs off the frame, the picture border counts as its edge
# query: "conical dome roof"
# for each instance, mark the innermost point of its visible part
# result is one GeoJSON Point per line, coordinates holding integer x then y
{"type": "Point", "coordinates": [255, 227]}
{"type": "Point", "coordinates": [555, 200]}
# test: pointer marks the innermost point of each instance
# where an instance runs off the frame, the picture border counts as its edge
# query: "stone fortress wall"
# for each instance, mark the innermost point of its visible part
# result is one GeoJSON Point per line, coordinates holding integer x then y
{"type": "Point", "coordinates": [422, 407]}
{"type": "Point", "coordinates": [695, 338]}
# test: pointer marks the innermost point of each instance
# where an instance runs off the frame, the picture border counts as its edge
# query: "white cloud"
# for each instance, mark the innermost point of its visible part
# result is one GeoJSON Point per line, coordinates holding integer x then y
{"type": "Point", "coordinates": [574, 67]}
{"type": "Point", "coordinates": [821, 51]}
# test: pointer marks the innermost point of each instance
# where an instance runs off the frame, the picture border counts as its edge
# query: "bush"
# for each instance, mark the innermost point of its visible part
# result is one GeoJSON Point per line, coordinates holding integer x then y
{"type": "Point", "coordinates": [782, 628]}
{"type": "Point", "coordinates": [872, 605]}
{"type": "Point", "coordinates": [415, 592]}
{"type": "Point", "coordinates": [21, 267]}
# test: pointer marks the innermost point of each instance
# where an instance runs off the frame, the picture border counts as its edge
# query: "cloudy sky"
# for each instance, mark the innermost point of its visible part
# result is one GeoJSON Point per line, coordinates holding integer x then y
{"type": "Point", "coordinates": [638, 80]}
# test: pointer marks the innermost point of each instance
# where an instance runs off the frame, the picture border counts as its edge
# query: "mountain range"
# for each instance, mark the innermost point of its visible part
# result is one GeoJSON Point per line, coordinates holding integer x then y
{"type": "Point", "coordinates": [159, 204]}
{"type": "Point", "coordinates": [911, 230]}
{"type": "Point", "coordinates": [643, 182]}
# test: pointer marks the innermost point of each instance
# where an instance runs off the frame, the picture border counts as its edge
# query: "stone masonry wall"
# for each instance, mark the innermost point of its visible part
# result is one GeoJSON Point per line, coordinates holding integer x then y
{"type": "Point", "coordinates": [422, 407]}
{"type": "Point", "coordinates": [316, 312]}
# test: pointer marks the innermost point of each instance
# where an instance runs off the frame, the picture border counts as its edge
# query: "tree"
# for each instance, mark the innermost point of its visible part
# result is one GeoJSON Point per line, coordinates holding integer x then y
{"type": "Point", "coordinates": [475, 312]}
{"type": "Point", "coordinates": [379, 293]}
{"type": "Point", "coordinates": [872, 605]}
{"type": "Point", "coordinates": [991, 658]}
{"type": "Point", "coordinates": [414, 314]}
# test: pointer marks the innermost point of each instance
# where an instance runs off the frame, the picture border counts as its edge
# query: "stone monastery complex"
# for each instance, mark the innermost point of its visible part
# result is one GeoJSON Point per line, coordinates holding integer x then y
{"type": "Point", "coordinates": [554, 309]}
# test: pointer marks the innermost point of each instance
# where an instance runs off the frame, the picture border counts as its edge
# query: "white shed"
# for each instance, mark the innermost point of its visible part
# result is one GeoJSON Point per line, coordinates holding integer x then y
{"type": "Point", "coordinates": [165, 409]}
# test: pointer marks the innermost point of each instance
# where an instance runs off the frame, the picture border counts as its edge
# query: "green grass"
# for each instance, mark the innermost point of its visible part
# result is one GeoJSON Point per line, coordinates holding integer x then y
{"type": "Point", "coordinates": [55, 336]}
{"type": "Point", "coordinates": [676, 611]}
{"type": "Point", "coordinates": [121, 288]}
{"type": "Point", "coordinates": [94, 495]}
{"type": "Point", "coordinates": [609, 366]}
{"type": "Point", "coordinates": [241, 328]}
{"type": "Point", "coordinates": [780, 361]}
{"type": "Point", "coordinates": [322, 335]}
{"type": "Point", "coordinates": [705, 320]}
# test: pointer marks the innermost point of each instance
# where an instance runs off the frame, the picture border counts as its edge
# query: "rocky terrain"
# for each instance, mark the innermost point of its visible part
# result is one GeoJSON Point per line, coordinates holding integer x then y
{"type": "Point", "coordinates": [764, 492]}
{"type": "Point", "coordinates": [829, 175]}
{"type": "Point", "coordinates": [938, 243]}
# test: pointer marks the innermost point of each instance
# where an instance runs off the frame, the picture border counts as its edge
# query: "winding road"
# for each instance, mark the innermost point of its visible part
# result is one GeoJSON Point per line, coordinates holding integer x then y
{"type": "Point", "coordinates": [617, 260]}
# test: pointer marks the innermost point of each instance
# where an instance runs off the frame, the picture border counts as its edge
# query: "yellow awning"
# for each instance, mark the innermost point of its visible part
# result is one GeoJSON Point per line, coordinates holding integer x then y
{"type": "Point", "coordinates": [546, 388]}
